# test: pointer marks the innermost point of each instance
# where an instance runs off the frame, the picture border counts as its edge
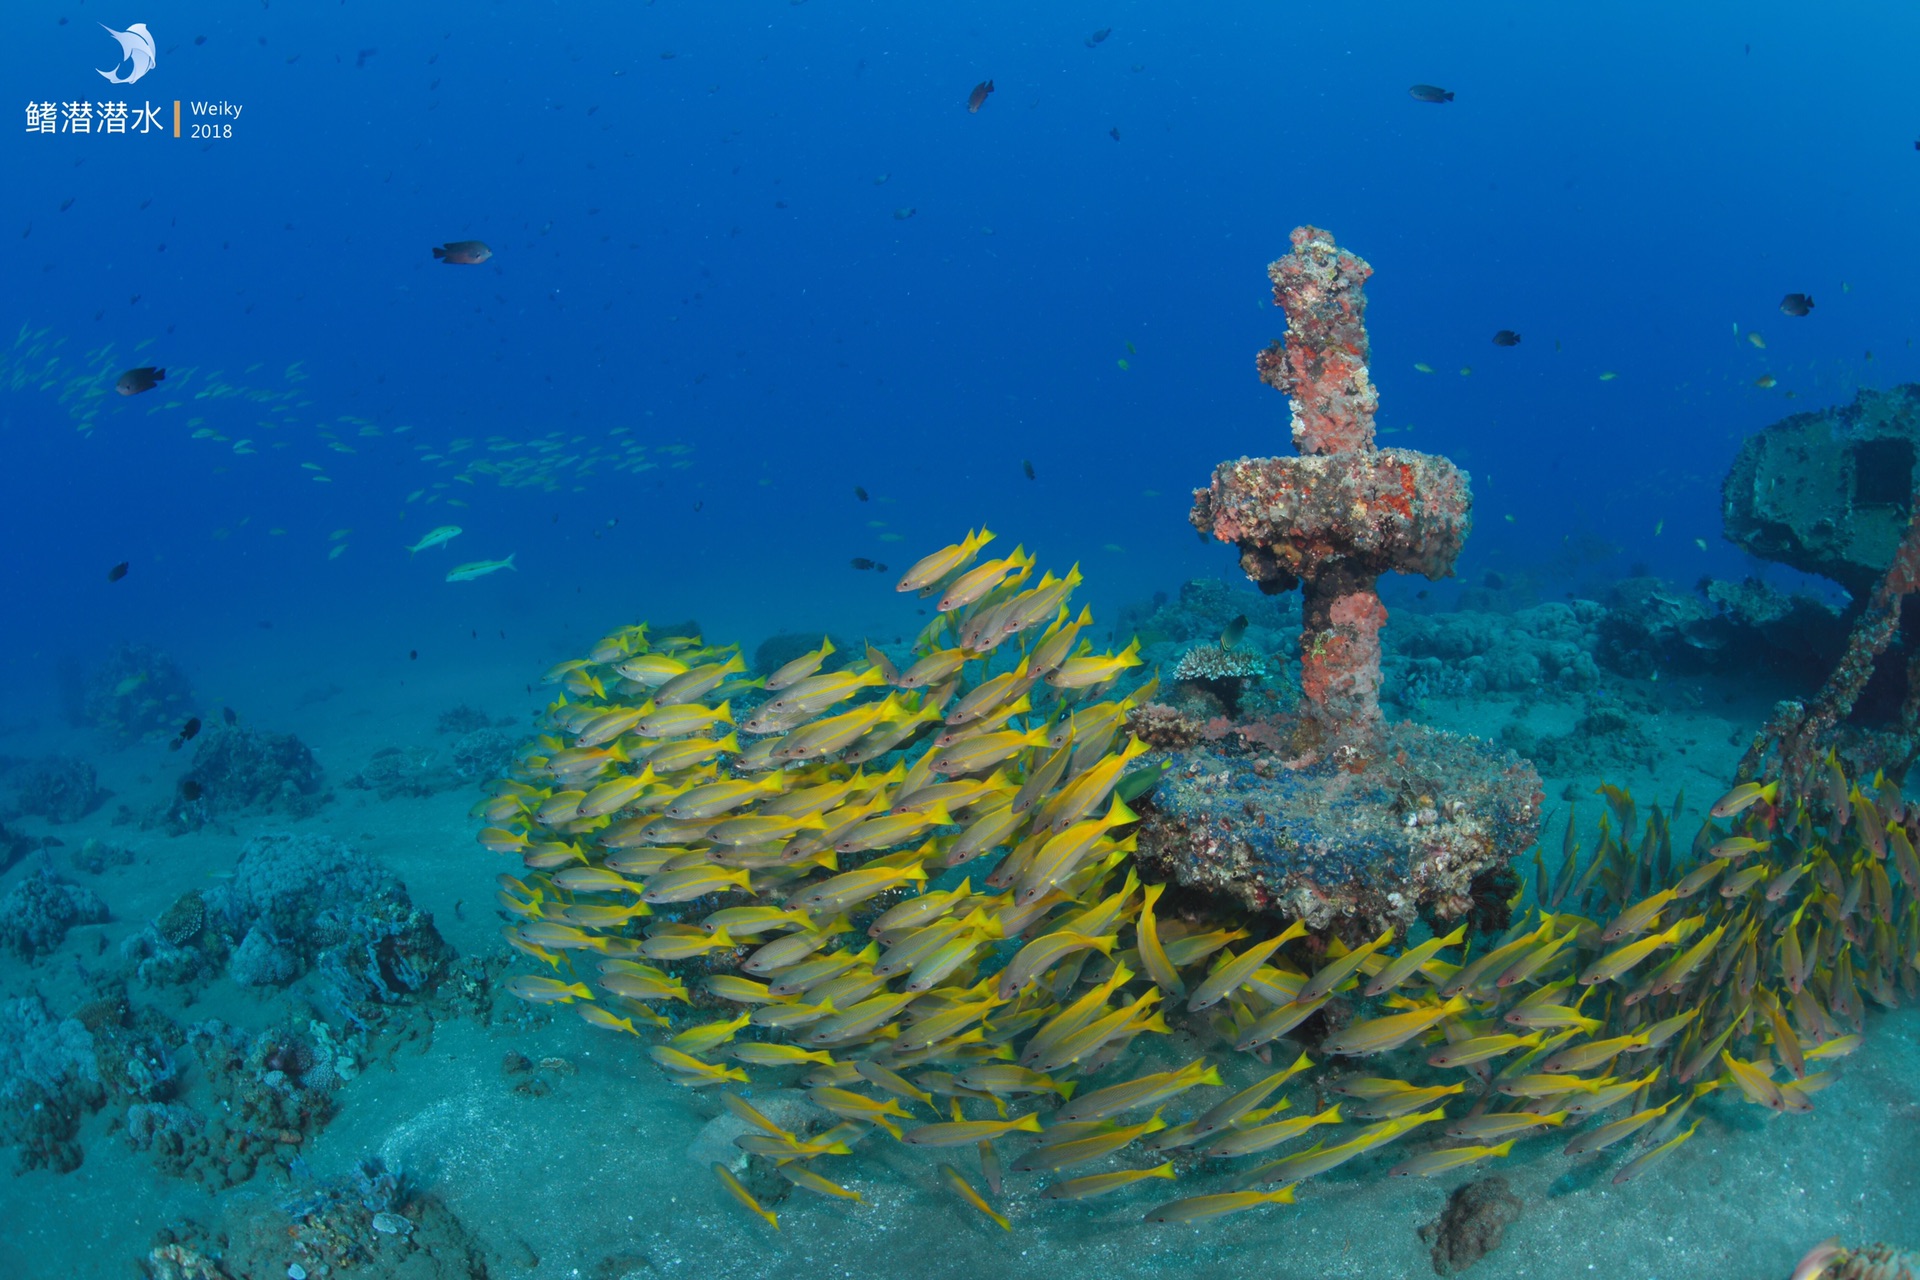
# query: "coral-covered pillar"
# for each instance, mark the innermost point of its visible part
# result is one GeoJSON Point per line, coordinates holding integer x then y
{"type": "Point", "coordinates": [1322, 365]}
{"type": "Point", "coordinates": [1342, 513]}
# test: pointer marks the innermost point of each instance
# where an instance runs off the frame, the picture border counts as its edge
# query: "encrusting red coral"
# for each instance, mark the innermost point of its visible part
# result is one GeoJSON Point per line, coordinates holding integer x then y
{"type": "Point", "coordinates": [1335, 518]}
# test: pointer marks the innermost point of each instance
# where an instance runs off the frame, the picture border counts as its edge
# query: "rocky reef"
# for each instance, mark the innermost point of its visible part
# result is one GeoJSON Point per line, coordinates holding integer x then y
{"type": "Point", "coordinates": [49, 1080]}
{"type": "Point", "coordinates": [777, 650]}
{"type": "Point", "coordinates": [136, 692]}
{"type": "Point", "coordinates": [211, 1102]}
{"type": "Point", "coordinates": [477, 753]}
{"type": "Point", "coordinates": [238, 770]}
{"type": "Point", "coordinates": [58, 788]}
{"type": "Point", "coordinates": [372, 1222]}
{"type": "Point", "coordinates": [1550, 647]}
{"type": "Point", "coordinates": [268, 1093]}
{"type": "Point", "coordinates": [38, 910]}
{"type": "Point", "coordinates": [299, 905]}
{"type": "Point", "coordinates": [14, 846]}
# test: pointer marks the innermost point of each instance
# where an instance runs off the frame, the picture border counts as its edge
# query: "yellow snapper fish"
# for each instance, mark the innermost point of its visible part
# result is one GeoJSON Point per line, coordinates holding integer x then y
{"type": "Point", "coordinates": [1100, 1184]}
{"type": "Point", "coordinates": [930, 569]}
{"type": "Point", "coordinates": [478, 569]}
{"type": "Point", "coordinates": [745, 1196]}
{"type": "Point", "coordinates": [537, 990]}
{"type": "Point", "coordinates": [438, 538]}
{"type": "Point", "coordinates": [801, 667]}
{"type": "Point", "coordinates": [965, 1188]}
{"type": "Point", "coordinates": [1198, 1208]}
{"type": "Point", "coordinates": [1428, 1163]}
{"type": "Point", "coordinates": [973, 584]}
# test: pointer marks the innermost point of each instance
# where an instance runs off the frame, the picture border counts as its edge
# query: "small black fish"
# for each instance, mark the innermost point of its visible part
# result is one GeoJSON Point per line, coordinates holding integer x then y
{"type": "Point", "coordinates": [190, 729]}
{"type": "Point", "coordinates": [226, 713]}
{"type": "Point", "coordinates": [134, 381]}
{"type": "Point", "coordinates": [1797, 304]}
{"type": "Point", "coordinates": [878, 567]}
{"type": "Point", "coordinates": [859, 493]}
{"type": "Point", "coordinates": [1098, 36]}
{"type": "Point", "coordinates": [1235, 630]}
{"type": "Point", "coordinates": [191, 790]}
{"type": "Point", "coordinates": [1114, 133]}
{"type": "Point", "coordinates": [1027, 466]}
{"type": "Point", "coordinates": [198, 40]}
{"type": "Point", "coordinates": [978, 98]}
{"type": "Point", "coordinates": [1430, 93]}
{"type": "Point", "coordinates": [861, 563]}
{"type": "Point", "coordinates": [118, 572]}
{"type": "Point", "coordinates": [463, 253]}
{"type": "Point", "coordinates": [1506, 338]}
{"type": "Point", "coordinates": [413, 655]}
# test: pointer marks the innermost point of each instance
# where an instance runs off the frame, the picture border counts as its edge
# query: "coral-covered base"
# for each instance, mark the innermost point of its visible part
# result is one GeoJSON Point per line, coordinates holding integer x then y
{"type": "Point", "coordinates": [1347, 853]}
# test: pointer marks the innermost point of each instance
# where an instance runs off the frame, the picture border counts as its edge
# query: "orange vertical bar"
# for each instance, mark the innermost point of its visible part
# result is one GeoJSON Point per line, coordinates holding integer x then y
{"type": "Point", "coordinates": [176, 117]}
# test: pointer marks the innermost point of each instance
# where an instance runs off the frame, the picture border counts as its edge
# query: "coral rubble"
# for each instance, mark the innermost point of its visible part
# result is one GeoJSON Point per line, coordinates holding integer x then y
{"type": "Point", "coordinates": [370, 1223]}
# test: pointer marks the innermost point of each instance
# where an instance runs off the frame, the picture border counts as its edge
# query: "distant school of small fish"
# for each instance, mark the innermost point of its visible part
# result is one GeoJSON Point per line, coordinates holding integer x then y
{"type": "Point", "coordinates": [791, 878]}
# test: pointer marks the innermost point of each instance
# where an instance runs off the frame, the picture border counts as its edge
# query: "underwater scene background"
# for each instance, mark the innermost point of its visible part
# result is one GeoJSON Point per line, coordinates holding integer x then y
{"type": "Point", "coordinates": [725, 319]}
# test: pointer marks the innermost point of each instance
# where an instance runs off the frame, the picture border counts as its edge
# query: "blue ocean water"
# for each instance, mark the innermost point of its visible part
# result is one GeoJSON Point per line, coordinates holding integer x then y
{"type": "Point", "coordinates": [749, 258]}
{"type": "Point", "coordinates": [693, 217]}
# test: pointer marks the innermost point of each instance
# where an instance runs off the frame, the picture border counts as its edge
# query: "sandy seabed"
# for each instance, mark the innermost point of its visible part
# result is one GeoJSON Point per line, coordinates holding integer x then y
{"type": "Point", "coordinates": [607, 1175]}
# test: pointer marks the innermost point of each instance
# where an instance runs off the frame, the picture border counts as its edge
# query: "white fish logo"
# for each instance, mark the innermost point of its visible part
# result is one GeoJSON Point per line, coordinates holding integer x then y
{"type": "Point", "coordinates": [136, 47]}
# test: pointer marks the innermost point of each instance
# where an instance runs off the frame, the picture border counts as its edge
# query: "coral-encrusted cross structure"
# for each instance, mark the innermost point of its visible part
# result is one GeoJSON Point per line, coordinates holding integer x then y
{"type": "Point", "coordinates": [1332, 520]}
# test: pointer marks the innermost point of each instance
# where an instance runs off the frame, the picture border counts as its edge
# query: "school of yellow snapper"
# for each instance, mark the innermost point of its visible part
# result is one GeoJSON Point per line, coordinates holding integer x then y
{"type": "Point", "coordinates": [765, 910]}
{"type": "Point", "coordinates": [207, 404]}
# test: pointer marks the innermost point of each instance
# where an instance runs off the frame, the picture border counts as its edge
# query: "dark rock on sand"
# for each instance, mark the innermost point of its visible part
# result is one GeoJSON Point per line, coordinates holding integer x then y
{"type": "Point", "coordinates": [1471, 1226]}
